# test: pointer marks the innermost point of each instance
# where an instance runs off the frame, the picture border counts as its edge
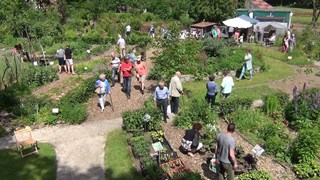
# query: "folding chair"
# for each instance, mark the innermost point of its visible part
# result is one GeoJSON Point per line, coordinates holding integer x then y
{"type": "Point", "coordinates": [24, 138]}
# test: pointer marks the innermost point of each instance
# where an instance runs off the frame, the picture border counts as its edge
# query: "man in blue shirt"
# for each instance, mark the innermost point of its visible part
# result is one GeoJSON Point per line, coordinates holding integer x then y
{"type": "Point", "coordinates": [161, 99]}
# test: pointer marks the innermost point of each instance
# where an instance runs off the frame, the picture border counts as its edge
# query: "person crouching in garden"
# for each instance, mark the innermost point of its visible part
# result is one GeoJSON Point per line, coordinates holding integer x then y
{"type": "Point", "coordinates": [212, 91]}
{"type": "Point", "coordinates": [102, 89]}
{"type": "Point", "coordinates": [141, 70]}
{"type": "Point", "coordinates": [247, 66]}
{"type": "Point", "coordinates": [191, 140]}
{"type": "Point", "coordinates": [161, 99]}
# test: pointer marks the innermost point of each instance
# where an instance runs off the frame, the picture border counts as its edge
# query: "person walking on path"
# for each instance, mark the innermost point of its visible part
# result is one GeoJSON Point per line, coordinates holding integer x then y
{"type": "Point", "coordinates": [115, 68]}
{"type": "Point", "coordinates": [247, 65]}
{"type": "Point", "coordinates": [226, 85]}
{"type": "Point", "coordinates": [161, 99]}
{"type": "Point", "coordinates": [126, 69]}
{"type": "Point", "coordinates": [62, 61]}
{"type": "Point", "coordinates": [175, 90]}
{"type": "Point", "coordinates": [102, 89]}
{"type": "Point", "coordinates": [152, 29]}
{"type": "Point", "coordinates": [212, 91]}
{"type": "Point", "coordinates": [142, 72]}
{"type": "Point", "coordinates": [122, 46]}
{"type": "Point", "coordinates": [128, 30]}
{"type": "Point", "coordinates": [225, 153]}
{"type": "Point", "coordinates": [68, 57]}
{"type": "Point", "coordinates": [132, 56]}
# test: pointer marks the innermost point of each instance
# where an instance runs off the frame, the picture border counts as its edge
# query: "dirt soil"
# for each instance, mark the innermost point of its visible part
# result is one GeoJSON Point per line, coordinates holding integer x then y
{"type": "Point", "coordinates": [199, 162]}
{"type": "Point", "coordinates": [287, 84]}
{"type": "Point", "coordinates": [119, 100]}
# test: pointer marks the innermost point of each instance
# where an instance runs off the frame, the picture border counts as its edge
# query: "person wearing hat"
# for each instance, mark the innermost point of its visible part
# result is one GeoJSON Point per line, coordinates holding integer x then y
{"type": "Point", "coordinates": [141, 70]}
{"type": "Point", "coordinates": [126, 69]}
{"type": "Point", "coordinates": [115, 66]}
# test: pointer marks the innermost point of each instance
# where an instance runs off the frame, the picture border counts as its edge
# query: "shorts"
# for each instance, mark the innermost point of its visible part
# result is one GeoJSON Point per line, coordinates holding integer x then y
{"type": "Point", "coordinates": [69, 61]}
{"type": "Point", "coordinates": [62, 62]}
{"type": "Point", "coordinates": [128, 33]}
{"type": "Point", "coordinates": [142, 78]}
{"type": "Point", "coordinates": [226, 95]}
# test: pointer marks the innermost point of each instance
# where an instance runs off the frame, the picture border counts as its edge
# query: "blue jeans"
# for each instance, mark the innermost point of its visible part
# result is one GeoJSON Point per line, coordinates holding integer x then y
{"type": "Point", "coordinates": [127, 85]}
{"type": "Point", "coordinates": [115, 72]}
{"type": "Point", "coordinates": [244, 69]}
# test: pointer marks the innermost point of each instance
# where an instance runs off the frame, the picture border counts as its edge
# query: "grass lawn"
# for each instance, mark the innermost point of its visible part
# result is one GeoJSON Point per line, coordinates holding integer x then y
{"type": "Point", "coordinates": [118, 159]}
{"type": "Point", "coordinates": [33, 167]}
{"type": "Point", "coordinates": [300, 15]}
{"type": "Point", "coordinates": [278, 70]}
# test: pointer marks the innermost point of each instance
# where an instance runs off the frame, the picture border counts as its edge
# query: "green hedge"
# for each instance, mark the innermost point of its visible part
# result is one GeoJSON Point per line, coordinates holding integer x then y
{"type": "Point", "coordinates": [233, 104]}
{"type": "Point", "coordinates": [255, 175]}
{"type": "Point", "coordinates": [133, 120]}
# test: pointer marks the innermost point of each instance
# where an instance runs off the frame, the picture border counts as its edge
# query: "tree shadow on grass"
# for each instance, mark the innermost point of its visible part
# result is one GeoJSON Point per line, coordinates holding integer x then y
{"type": "Point", "coordinates": [132, 175]}
{"type": "Point", "coordinates": [69, 173]}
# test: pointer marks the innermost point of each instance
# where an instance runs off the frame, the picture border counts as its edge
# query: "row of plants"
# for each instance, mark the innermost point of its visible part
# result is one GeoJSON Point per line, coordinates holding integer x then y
{"type": "Point", "coordinates": [268, 126]}
{"type": "Point", "coordinates": [200, 58]}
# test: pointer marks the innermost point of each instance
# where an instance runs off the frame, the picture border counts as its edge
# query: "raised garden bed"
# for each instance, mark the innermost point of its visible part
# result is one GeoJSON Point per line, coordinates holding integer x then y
{"type": "Point", "coordinates": [175, 168]}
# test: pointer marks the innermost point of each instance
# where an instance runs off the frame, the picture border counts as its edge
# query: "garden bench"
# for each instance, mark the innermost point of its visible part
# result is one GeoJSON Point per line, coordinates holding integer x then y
{"type": "Point", "coordinates": [24, 137]}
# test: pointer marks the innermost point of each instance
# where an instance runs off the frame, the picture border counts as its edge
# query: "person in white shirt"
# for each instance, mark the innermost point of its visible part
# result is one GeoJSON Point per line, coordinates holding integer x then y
{"type": "Point", "coordinates": [226, 85]}
{"type": "Point", "coordinates": [115, 66]}
{"type": "Point", "coordinates": [122, 46]}
{"type": "Point", "coordinates": [128, 30]}
{"type": "Point", "coordinates": [247, 66]}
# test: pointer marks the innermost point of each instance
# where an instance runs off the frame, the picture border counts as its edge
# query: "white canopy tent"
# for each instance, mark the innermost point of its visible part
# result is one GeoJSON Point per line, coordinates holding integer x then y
{"type": "Point", "coordinates": [279, 27]}
{"type": "Point", "coordinates": [242, 21]}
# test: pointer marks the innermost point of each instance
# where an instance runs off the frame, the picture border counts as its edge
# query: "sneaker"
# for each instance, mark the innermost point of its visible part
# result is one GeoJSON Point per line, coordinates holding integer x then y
{"type": "Point", "coordinates": [128, 96]}
{"type": "Point", "coordinates": [190, 154]}
{"type": "Point", "coordinates": [238, 79]}
{"type": "Point", "coordinates": [142, 91]}
{"type": "Point", "coordinates": [102, 110]}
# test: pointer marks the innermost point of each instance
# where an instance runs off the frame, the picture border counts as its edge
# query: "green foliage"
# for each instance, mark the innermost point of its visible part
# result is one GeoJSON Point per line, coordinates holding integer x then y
{"type": "Point", "coordinates": [157, 135]}
{"type": "Point", "coordinates": [271, 105]}
{"type": "Point", "coordinates": [36, 76]}
{"type": "Point", "coordinates": [141, 149]}
{"type": "Point", "coordinates": [232, 104]}
{"type": "Point", "coordinates": [307, 169]}
{"type": "Point", "coordinates": [195, 111]}
{"type": "Point", "coordinates": [118, 159]}
{"type": "Point", "coordinates": [91, 66]}
{"type": "Point", "coordinates": [306, 146]}
{"type": "Point", "coordinates": [255, 175]}
{"type": "Point", "coordinates": [73, 113]}
{"type": "Point", "coordinates": [139, 40]}
{"type": "Point", "coordinates": [133, 120]}
{"type": "Point", "coordinates": [304, 111]}
{"type": "Point", "coordinates": [37, 166]}
{"type": "Point", "coordinates": [2, 131]}
{"type": "Point", "coordinates": [192, 176]}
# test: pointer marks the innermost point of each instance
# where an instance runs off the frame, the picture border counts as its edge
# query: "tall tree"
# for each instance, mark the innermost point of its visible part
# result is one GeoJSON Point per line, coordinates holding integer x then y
{"type": "Point", "coordinates": [315, 12]}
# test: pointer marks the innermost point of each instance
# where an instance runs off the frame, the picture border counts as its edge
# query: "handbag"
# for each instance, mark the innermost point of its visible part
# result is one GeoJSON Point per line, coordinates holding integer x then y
{"type": "Point", "coordinates": [98, 90]}
{"type": "Point", "coordinates": [195, 141]}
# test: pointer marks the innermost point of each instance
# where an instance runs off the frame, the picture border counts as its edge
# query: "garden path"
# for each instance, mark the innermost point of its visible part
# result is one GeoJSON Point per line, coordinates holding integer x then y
{"type": "Point", "coordinates": [79, 148]}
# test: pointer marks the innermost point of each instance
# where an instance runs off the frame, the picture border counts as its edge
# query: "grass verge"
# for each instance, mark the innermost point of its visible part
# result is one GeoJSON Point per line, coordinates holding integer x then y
{"type": "Point", "coordinates": [118, 159]}
{"type": "Point", "coordinates": [42, 166]}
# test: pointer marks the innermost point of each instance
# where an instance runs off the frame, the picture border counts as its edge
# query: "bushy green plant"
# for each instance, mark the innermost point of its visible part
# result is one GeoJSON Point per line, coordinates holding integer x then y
{"type": "Point", "coordinates": [196, 111]}
{"type": "Point", "coordinates": [232, 104]}
{"type": "Point", "coordinates": [35, 76]}
{"type": "Point", "coordinates": [90, 66]}
{"type": "Point", "coordinates": [73, 113]}
{"type": "Point", "coordinates": [306, 146]}
{"type": "Point", "coordinates": [304, 111]}
{"type": "Point", "coordinates": [307, 169]}
{"type": "Point", "coordinates": [2, 131]}
{"type": "Point", "coordinates": [134, 120]}
{"type": "Point", "coordinates": [271, 105]}
{"type": "Point", "coordinates": [192, 176]}
{"type": "Point", "coordinates": [215, 47]}
{"type": "Point", "coordinates": [255, 175]}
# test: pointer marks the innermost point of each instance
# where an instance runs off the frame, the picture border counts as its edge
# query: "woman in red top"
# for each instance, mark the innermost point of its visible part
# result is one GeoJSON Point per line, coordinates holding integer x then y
{"type": "Point", "coordinates": [141, 70]}
{"type": "Point", "coordinates": [126, 68]}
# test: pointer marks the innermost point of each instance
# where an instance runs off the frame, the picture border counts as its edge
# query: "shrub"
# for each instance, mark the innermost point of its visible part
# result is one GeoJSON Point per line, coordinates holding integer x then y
{"type": "Point", "coordinates": [2, 131]}
{"type": "Point", "coordinates": [254, 175]}
{"type": "Point", "coordinates": [307, 169]}
{"type": "Point", "coordinates": [73, 113]}
{"type": "Point", "coordinates": [232, 104]}
{"type": "Point", "coordinates": [90, 66]}
{"type": "Point", "coordinates": [196, 111]}
{"type": "Point", "coordinates": [306, 146]}
{"type": "Point", "coordinates": [134, 120]}
{"type": "Point", "coordinates": [80, 94]}
{"type": "Point", "coordinates": [304, 111]}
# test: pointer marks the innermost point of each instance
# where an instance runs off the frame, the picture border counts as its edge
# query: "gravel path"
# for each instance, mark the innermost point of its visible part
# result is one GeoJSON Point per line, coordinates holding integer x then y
{"type": "Point", "coordinates": [79, 148]}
